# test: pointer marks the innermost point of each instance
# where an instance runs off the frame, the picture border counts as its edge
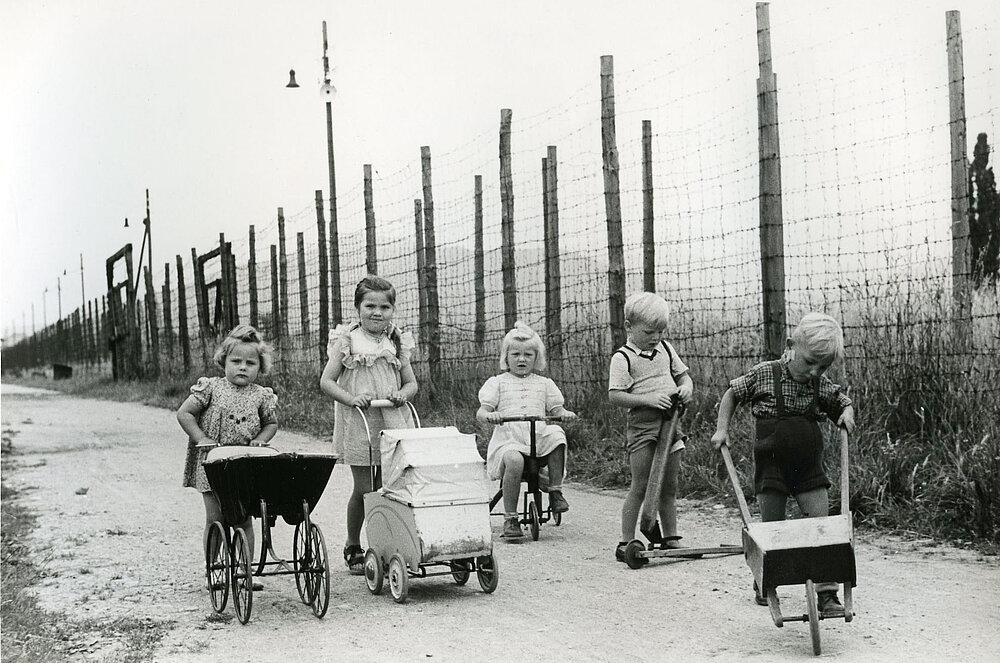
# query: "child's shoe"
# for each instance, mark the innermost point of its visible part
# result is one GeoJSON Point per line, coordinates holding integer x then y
{"type": "Point", "coordinates": [558, 503]}
{"type": "Point", "coordinates": [620, 550]}
{"type": "Point", "coordinates": [828, 603]}
{"type": "Point", "coordinates": [512, 528]}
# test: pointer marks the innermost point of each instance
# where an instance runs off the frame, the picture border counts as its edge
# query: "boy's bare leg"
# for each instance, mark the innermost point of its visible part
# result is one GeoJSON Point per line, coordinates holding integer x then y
{"type": "Point", "coordinates": [772, 505]}
{"type": "Point", "coordinates": [557, 467]}
{"type": "Point", "coordinates": [816, 504]}
{"type": "Point", "coordinates": [511, 471]}
{"type": "Point", "coordinates": [639, 462]}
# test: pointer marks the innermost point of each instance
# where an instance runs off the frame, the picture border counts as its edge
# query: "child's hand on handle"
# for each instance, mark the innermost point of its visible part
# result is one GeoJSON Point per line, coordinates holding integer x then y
{"type": "Point", "coordinates": [567, 415]}
{"type": "Point", "coordinates": [660, 401]}
{"type": "Point", "coordinates": [846, 419]}
{"type": "Point", "coordinates": [493, 417]}
{"type": "Point", "coordinates": [719, 438]}
{"type": "Point", "coordinates": [362, 401]}
{"type": "Point", "coordinates": [685, 392]}
{"type": "Point", "coordinates": [398, 398]}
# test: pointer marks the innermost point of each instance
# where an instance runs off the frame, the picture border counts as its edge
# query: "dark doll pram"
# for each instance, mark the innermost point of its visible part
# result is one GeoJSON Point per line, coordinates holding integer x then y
{"type": "Point", "coordinates": [431, 511]}
{"type": "Point", "coordinates": [263, 483]}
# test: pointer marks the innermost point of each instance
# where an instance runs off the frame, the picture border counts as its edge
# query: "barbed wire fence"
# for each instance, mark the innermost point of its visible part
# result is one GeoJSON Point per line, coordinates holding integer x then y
{"type": "Point", "coordinates": [649, 178]}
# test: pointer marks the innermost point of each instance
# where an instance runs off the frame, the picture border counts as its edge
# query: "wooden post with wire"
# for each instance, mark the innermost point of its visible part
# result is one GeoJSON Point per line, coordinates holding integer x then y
{"type": "Point", "coordinates": [303, 289]}
{"type": "Point", "coordinates": [152, 327]}
{"type": "Point", "coordinates": [479, 266]}
{"type": "Point", "coordinates": [553, 274]}
{"type": "Point", "coordinates": [648, 240]}
{"type": "Point", "coordinates": [324, 281]}
{"type": "Point", "coordinates": [507, 264]}
{"type": "Point", "coordinates": [772, 243]}
{"type": "Point", "coordinates": [201, 304]}
{"type": "Point", "coordinates": [371, 245]}
{"type": "Point", "coordinates": [961, 264]}
{"type": "Point", "coordinates": [418, 234]}
{"type": "Point", "coordinates": [168, 317]}
{"type": "Point", "coordinates": [252, 276]}
{"type": "Point", "coordinates": [328, 91]}
{"type": "Point", "coordinates": [430, 265]}
{"type": "Point", "coordinates": [612, 204]}
{"type": "Point", "coordinates": [283, 272]}
{"type": "Point", "coordinates": [182, 319]}
{"type": "Point", "coordinates": [276, 324]}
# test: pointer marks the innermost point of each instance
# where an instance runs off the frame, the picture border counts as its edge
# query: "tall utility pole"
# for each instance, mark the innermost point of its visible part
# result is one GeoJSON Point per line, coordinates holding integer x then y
{"type": "Point", "coordinates": [327, 91]}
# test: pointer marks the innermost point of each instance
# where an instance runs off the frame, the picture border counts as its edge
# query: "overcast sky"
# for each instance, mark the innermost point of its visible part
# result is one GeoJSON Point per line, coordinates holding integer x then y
{"type": "Point", "coordinates": [101, 100]}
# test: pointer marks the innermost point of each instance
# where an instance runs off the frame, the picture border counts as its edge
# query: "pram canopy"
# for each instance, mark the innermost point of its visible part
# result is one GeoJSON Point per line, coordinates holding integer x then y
{"type": "Point", "coordinates": [243, 476]}
{"type": "Point", "coordinates": [424, 466]}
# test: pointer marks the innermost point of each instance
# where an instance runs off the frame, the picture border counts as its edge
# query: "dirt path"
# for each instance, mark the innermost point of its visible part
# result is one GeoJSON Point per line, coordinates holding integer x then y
{"type": "Point", "coordinates": [118, 536]}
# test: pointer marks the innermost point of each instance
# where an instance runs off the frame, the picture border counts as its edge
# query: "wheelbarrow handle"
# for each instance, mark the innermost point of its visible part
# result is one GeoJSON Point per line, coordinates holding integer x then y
{"type": "Point", "coordinates": [735, 479]}
{"type": "Point", "coordinates": [845, 483]}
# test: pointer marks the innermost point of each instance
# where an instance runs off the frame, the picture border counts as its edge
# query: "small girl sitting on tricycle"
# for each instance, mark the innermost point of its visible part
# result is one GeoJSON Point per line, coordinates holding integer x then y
{"type": "Point", "coordinates": [520, 391]}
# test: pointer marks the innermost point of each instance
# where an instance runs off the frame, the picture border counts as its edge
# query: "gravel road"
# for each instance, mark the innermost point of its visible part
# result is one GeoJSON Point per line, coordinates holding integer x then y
{"type": "Point", "coordinates": [117, 535]}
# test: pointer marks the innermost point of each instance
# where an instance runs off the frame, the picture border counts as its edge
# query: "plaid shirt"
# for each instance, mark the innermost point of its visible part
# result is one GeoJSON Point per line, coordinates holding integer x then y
{"type": "Point", "coordinates": [757, 388]}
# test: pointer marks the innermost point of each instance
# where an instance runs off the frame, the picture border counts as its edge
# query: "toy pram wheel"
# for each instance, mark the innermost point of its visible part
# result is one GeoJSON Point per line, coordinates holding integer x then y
{"type": "Point", "coordinates": [813, 612]}
{"type": "Point", "coordinates": [374, 573]}
{"type": "Point", "coordinates": [242, 577]}
{"type": "Point", "coordinates": [217, 566]}
{"type": "Point", "coordinates": [319, 572]}
{"type": "Point", "coordinates": [632, 557]}
{"type": "Point", "coordinates": [300, 558]}
{"type": "Point", "coordinates": [488, 572]}
{"type": "Point", "coordinates": [399, 579]}
{"type": "Point", "coordinates": [533, 520]}
{"type": "Point", "coordinates": [460, 571]}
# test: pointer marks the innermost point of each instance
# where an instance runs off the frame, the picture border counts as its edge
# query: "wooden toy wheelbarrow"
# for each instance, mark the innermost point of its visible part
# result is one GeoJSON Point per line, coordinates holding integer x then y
{"type": "Point", "coordinates": [637, 554]}
{"type": "Point", "coordinates": [804, 550]}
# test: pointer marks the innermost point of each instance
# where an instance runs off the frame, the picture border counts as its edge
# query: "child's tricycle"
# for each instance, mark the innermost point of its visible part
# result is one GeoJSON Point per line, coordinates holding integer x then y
{"type": "Point", "coordinates": [805, 550]}
{"type": "Point", "coordinates": [265, 484]}
{"type": "Point", "coordinates": [430, 512]}
{"type": "Point", "coordinates": [535, 476]}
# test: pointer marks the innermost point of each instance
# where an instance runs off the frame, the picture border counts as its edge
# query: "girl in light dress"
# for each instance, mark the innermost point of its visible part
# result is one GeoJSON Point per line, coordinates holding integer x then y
{"type": "Point", "coordinates": [520, 391]}
{"type": "Point", "coordinates": [367, 360]}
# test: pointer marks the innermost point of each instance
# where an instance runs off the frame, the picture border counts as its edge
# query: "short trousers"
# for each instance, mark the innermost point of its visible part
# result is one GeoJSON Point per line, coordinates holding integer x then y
{"type": "Point", "coordinates": [646, 424]}
{"type": "Point", "coordinates": [788, 455]}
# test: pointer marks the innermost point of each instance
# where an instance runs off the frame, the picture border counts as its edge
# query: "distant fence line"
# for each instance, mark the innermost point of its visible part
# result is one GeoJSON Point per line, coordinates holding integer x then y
{"type": "Point", "coordinates": [731, 298]}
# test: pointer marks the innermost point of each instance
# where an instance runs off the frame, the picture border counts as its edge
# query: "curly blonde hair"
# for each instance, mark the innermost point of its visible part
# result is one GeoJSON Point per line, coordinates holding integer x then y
{"type": "Point", "coordinates": [249, 335]}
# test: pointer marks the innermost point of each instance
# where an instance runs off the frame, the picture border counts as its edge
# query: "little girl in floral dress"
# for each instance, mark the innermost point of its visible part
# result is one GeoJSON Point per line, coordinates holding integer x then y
{"type": "Point", "coordinates": [367, 360]}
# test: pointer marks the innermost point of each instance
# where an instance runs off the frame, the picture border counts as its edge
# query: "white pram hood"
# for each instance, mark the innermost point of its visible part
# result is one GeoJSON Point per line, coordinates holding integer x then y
{"type": "Point", "coordinates": [433, 466]}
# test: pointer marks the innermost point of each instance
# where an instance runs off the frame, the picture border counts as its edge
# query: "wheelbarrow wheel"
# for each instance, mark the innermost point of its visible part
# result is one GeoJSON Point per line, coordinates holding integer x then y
{"type": "Point", "coordinates": [374, 573]}
{"type": "Point", "coordinates": [557, 518]}
{"type": "Point", "coordinates": [300, 558]}
{"type": "Point", "coordinates": [488, 572]}
{"type": "Point", "coordinates": [399, 579]}
{"type": "Point", "coordinates": [813, 613]}
{"type": "Point", "coordinates": [217, 566]}
{"type": "Point", "coordinates": [460, 571]}
{"type": "Point", "coordinates": [319, 571]}
{"type": "Point", "coordinates": [533, 520]}
{"type": "Point", "coordinates": [242, 577]}
{"type": "Point", "coordinates": [632, 556]}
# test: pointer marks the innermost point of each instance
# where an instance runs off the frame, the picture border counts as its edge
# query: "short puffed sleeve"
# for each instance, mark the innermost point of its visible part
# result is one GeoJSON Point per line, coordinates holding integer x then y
{"type": "Point", "coordinates": [340, 342]}
{"type": "Point", "coordinates": [268, 410]}
{"type": "Point", "coordinates": [201, 391]}
{"type": "Point", "coordinates": [406, 345]}
{"type": "Point", "coordinates": [553, 397]}
{"type": "Point", "coordinates": [489, 394]}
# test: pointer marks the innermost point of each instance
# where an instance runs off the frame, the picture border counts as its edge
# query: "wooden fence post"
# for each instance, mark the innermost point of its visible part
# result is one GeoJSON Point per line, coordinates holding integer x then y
{"type": "Point", "coordinates": [154, 333]}
{"type": "Point", "coordinates": [553, 273]}
{"type": "Point", "coordinates": [507, 264]}
{"type": "Point", "coordinates": [418, 234]}
{"type": "Point", "coordinates": [182, 317]}
{"type": "Point", "coordinates": [283, 271]}
{"type": "Point", "coordinates": [612, 204]}
{"type": "Point", "coordinates": [276, 324]}
{"type": "Point", "coordinates": [324, 278]}
{"type": "Point", "coordinates": [430, 264]}
{"type": "Point", "coordinates": [303, 289]}
{"type": "Point", "coordinates": [168, 315]}
{"type": "Point", "coordinates": [202, 306]}
{"type": "Point", "coordinates": [961, 264]}
{"type": "Point", "coordinates": [480, 266]}
{"type": "Point", "coordinates": [224, 288]}
{"type": "Point", "coordinates": [371, 246]}
{"type": "Point", "coordinates": [648, 239]}
{"type": "Point", "coordinates": [252, 277]}
{"type": "Point", "coordinates": [772, 249]}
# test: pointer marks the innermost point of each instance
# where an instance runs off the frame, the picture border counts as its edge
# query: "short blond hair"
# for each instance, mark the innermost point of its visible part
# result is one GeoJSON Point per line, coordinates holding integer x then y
{"type": "Point", "coordinates": [821, 334]}
{"type": "Point", "coordinates": [522, 333]}
{"type": "Point", "coordinates": [647, 307]}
